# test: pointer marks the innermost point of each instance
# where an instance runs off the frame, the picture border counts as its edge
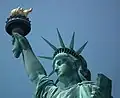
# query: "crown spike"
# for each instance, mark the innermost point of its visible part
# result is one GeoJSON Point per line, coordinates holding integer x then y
{"type": "Point", "coordinates": [45, 57]}
{"type": "Point", "coordinates": [52, 46]}
{"type": "Point", "coordinates": [81, 49]}
{"type": "Point", "coordinates": [72, 41]}
{"type": "Point", "coordinates": [60, 39]}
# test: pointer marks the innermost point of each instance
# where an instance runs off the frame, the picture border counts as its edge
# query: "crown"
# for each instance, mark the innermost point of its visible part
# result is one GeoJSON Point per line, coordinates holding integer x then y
{"type": "Point", "coordinates": [64, 49]}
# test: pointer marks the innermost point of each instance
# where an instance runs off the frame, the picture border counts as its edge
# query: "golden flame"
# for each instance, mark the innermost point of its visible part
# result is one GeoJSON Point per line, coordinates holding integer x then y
{"type": "Point", "coordinates": [20, 11]}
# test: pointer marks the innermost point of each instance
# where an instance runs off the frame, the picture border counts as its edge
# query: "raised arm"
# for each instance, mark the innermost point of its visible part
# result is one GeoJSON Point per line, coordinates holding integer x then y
{"type": "Point", "coordinates": [32, 65]}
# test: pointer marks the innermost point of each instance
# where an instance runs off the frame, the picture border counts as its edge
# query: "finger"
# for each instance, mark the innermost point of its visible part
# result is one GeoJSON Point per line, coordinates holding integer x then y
{"type": "Point", "coordinates": [13, 40]}
{"type": "Point", "coordinates": [23, 44]}
{"type": "Point", "coordinates": [15, 36]}
{"type": "Point", "coordinates": [22, 41]}
{"type": "Point", "coordinates": [16, 49]}
{"type": "Point", "coordinates": [19, 38]}
{"type": "Point", "coordinates": [16, 52]}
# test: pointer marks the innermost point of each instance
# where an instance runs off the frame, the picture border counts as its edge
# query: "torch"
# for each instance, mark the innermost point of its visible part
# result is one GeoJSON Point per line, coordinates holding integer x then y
{"type": "Point", "coordinates": [18, 22]}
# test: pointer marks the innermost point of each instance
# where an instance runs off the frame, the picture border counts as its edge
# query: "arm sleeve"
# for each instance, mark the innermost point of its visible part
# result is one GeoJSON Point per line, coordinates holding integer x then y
{"type": "Point", "coordinates": [45, 87]}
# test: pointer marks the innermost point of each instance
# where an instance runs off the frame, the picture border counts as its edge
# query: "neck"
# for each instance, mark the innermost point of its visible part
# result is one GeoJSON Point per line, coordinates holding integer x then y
{"type": "Point", "coordinates": [71, 80]}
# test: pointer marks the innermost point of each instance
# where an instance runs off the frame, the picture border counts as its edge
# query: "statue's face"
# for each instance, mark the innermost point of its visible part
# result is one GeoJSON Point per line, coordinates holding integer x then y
{"type": "Point", "coordinates": [63, 66]}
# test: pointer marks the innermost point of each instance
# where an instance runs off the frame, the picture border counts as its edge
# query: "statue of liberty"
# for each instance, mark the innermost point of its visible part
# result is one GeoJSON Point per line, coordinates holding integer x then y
{"type": "Point", "coordinates": [69, 65]}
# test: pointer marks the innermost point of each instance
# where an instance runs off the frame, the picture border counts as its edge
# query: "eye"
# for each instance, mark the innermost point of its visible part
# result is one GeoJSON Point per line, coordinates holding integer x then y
{"type": "Point", "coordinates": [59, 62]}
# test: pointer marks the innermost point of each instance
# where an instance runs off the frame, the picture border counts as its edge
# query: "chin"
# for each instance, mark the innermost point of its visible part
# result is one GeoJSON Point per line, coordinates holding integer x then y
{"type": "Point", "coordinates": [61, 77]}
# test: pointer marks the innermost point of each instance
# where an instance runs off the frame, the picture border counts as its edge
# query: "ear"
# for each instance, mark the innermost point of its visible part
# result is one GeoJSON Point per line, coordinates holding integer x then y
{"type": "Point", "coordinates": [78, 63]}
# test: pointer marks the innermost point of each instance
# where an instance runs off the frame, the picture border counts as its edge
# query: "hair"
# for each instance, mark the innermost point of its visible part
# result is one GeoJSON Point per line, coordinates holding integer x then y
{"type": "Point", "coordinates": [82, 69]}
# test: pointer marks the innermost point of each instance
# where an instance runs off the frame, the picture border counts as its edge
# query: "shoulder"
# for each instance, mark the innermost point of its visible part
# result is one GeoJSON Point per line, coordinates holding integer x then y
{"type": "Point", "coordinates": [44, 86]}
{"type": "Point", "coordinates": [43, 81]}
{"type": "Point", "coordinates": [89, 89]}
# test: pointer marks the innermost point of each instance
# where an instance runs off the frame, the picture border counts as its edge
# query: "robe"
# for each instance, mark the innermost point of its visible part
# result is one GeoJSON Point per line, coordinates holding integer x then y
{"type": "Point", "coordinates": [47, 89]}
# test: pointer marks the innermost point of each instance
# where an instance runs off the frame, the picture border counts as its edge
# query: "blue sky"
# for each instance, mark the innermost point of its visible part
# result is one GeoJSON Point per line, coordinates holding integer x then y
{"type": "Point", "coordinates": [95, 21]}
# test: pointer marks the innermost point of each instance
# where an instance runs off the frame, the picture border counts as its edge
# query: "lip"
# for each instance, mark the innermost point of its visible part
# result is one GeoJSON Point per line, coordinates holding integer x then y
{"type": "Point", "coordinates": [58, 72]}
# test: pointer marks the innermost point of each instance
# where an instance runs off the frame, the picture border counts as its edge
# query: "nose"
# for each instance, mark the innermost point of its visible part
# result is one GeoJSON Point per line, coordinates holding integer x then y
{"type": "Point", "coordinates": [56, 69]}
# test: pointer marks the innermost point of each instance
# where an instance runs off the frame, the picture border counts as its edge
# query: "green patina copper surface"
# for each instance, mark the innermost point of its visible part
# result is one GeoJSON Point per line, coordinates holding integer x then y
{"type": "Point", "coordinates": [68, 64]}
{"type": "Point", "coordinates": [70, 70]}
